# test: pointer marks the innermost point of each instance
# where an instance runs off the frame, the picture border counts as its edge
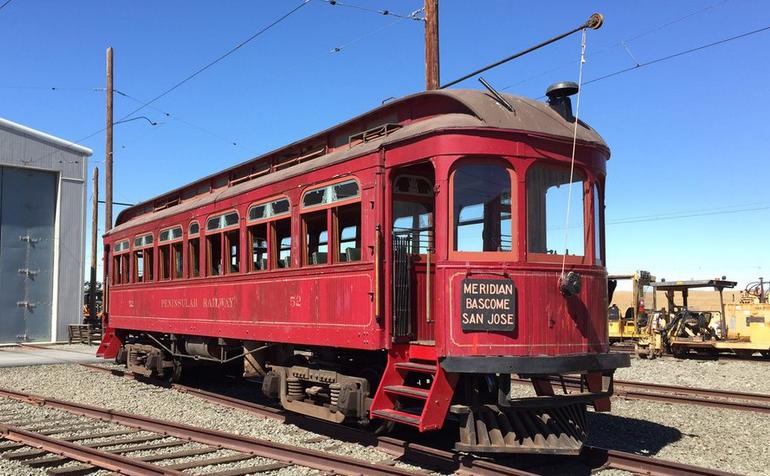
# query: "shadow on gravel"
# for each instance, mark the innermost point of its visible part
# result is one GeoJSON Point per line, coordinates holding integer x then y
{"type": "Point", "coordinates": [629, 434]}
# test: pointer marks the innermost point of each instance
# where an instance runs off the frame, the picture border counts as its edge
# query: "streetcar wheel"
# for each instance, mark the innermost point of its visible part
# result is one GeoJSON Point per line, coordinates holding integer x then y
{"type": "Point", "coordinates": [175, 372]}
{"type": "Point", "coordinates": [120, 357]}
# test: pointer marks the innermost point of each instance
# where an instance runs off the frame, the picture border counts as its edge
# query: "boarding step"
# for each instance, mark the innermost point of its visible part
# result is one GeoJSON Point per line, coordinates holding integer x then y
{"type": "Point", "coordinates": [407, 391]}
{"type": "Point", "coordinates": [416, 367]}
{"type": "Point", "coordinates": [398, 416]}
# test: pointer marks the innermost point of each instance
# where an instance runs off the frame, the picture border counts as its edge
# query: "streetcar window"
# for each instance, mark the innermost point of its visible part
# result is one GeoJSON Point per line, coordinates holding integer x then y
{"type": "Point", "coordinates": [193, 252]}
{"type": "Point", "coordinates": [345, 190]}
{"type": "Point", "coordinates": [124, 268]}
{"type": "Point", "coordinates": [349, 232]}
{"type": "Point", "coordinates": [164, 262]}
{"type": "Point", "coordinates": [116, 270]}
{"type": "Point", "coordinates": [222, 221]}
{"type": "Point", "coordinates": [280, 207]}
{"type": "Point", "coordinates": [413, 221]}
{"type": "Point", "coordinates": [233, 246]}
{"type": "Point", "coordinates": [282, 233]}
{"type": "Point", "coordinates": [597, 225]}
{"type": "Point", "coordinates": [176, 251]}
{"type": "Point", "coordinates": [214, 254]}
{"type": "Point", "coordinates": [316, 238]}
{"type": "Point", "coordinates": [258, 240]}
{"type": "Point", "coordinates": [171, 234]}
{"type": "Point", "coordinates": [314, 197]}
{"type": "Point", "coordinates": [482, 208]}
{"type": "Point", "coordinates": [194, 228]}
{"type": "Point", "coordinates": [139, 266]}
{"type": "Point", "coordinates": [548, 190]}
{"type": "Point", "coordinates": [331, 193]}
{"type": "Point", "coordinates": [148, 264]}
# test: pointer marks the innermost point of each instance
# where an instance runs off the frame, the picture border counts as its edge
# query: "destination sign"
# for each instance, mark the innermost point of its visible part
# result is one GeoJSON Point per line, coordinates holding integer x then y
{"type": "Point", "coordinates": [488, 305]}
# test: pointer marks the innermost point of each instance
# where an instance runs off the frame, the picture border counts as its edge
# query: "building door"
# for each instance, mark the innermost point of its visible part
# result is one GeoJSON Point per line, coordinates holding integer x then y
{"type": "Point", "coordinates": [27, 215]}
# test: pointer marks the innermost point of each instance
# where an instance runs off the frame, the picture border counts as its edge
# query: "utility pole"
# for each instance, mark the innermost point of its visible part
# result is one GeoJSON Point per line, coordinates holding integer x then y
{"type": "Point", "coordinates": [432, 80]}
{"type": "Point", "coordinates": [94, 239]}
{"type": "Point", "coordinates": [108, 149]}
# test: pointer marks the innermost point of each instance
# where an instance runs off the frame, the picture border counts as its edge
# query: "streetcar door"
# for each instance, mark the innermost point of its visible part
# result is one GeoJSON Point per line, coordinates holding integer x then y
{"type": "Point", "coordinates": [413, 270]}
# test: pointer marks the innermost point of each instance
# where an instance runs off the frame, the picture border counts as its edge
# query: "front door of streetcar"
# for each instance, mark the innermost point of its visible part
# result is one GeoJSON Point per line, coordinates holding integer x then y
{"type": "Point", "coordinates": [412, 241]}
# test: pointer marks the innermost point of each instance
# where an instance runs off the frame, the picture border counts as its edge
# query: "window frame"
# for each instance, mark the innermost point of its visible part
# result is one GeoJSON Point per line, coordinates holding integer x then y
{"type": "Point", "coordinates": [221, 231]}
{"type": "Point", "coordinates": [125, 271]}
{"type": "Point", "coordinates": [144, 247]}
{"type": "Point", "coordinates": [170, 262]}
{"type": "Point", "coordinates": [513, 176]}
{"type": "Point", "coordinates": [587, 257]}
{"type": "Point", "coordinates": [329, 207]}
{"type": "Point", "coordinates": [270, 235]}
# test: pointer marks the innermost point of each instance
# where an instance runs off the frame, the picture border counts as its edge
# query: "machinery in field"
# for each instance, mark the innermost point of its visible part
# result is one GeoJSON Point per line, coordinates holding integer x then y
{"type": "Point", "coordinates": [629, 325]}
{"type": "Point", "coordinates": [678, 329]}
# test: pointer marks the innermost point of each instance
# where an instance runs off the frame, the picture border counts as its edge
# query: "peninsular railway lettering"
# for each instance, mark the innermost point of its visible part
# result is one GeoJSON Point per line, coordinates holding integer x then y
{"type": "Point", "coordinates": [488, 305]}
{"type": "Point", "coordinates": [207, 303]}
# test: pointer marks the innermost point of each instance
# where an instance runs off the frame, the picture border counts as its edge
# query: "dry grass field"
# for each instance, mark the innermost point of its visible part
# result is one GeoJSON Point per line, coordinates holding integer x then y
{"type": "Point", "coordinates": [698, 300]}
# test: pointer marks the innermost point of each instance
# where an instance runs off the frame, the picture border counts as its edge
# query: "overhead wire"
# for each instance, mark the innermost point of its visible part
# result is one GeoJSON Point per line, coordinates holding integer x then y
{"type": "Point", "coordinates": [415, 15]}
{"type": "Point", "coordinates": [678, 54]}
{"type": "Point", "coordinates": [624, 42]}
{"type": "Point", "coordinates": [220, 58]}
{"type": "Point", "coordinates": [177, 118]}
{"type": "Point", "coordinates": [5, 4]}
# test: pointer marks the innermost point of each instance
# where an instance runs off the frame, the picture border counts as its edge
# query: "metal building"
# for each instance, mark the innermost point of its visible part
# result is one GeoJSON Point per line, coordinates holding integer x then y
{"type": "Point", "coordinates": [42, 234]}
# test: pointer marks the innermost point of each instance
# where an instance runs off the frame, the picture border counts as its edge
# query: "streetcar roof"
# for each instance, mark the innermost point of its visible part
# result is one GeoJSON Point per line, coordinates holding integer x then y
{"type": "Point", "coordinates": [451, 109]}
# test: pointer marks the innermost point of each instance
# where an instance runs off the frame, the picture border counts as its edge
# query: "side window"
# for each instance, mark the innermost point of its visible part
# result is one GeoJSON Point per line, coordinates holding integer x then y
{"type": "Point", "coordinates": [547, 196]}
{"type": "Point", "coordinates": [143, 258]}
{"type": "Point", "coordinates": [223, 244]}
{"type": "Point", "coordinates": [270, 235]}
{"type": "Point", "coordinates": [598, 209]}
{"type": "Point", "coordinates": [316, 237]}
{"type": "Point", "coordinates": [482, 208]}
{"type": "Point", "coordinates": [193, 250]}
{"type": "Point", "coordinates": [120, 263]}
{"type": "Point", "coordinates": [170, 253]}
{"type": "Point", "coordinates": [332, 212]}
{"type": "Point", "coordinates": [348, 233]}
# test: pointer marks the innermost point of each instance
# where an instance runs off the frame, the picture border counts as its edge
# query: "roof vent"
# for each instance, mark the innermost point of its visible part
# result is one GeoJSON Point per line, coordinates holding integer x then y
{"type": "Point", "coordinates": [558, 98]}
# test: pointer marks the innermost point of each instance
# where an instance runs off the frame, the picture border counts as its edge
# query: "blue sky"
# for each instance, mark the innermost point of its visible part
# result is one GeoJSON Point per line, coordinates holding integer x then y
{"type": "Point", "coordinates": [689, 136]}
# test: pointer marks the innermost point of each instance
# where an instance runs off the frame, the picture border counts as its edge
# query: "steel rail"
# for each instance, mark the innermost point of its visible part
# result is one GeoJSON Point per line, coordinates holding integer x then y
{"type": "Point", "coordinates": [638, 464]}
{"type": "Point", "coordinates": [267, 449]}
{"type": "Point", "coordinates": [678, 394]}
{"type": "Point", "coordinates": [413, 452]}
{"type": "Point", "coordinates": [84, 454]}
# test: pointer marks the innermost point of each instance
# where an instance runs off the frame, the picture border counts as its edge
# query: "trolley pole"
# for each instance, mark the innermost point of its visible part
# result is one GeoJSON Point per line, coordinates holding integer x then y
{"type": "Point", "coordinates": [94, 239]}
{"type": "Point", "coordinates": [108, 148]}
{"type": "Point", "coordinates": [432, 80]}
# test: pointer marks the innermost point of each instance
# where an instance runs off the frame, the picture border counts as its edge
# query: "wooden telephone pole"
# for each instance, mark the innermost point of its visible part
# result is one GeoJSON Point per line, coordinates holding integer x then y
{"type": "Point", "coordinates": [108, 149]}
{"type": "Point", "coordinates": [432, 80]}
{"type": "Point", "coordinates": [94, 242]}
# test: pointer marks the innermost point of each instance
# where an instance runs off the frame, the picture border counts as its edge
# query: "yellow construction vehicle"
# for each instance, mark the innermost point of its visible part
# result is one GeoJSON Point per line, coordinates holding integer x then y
{"type": "Point", "coordinates": [628, 325]}
{"type": "Point", "coordinates": [750, 318]}
{"type": "Point", "coordinates": [707, 331]}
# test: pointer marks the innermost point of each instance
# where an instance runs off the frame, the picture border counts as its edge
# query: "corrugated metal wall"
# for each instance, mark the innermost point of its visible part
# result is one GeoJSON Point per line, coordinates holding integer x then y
{"type": "Point", "coordinates": [19, 148]}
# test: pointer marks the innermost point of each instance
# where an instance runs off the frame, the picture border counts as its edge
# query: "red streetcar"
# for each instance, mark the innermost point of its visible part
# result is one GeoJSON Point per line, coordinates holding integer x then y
{"type": "Point", "coordinates": [397, 267]}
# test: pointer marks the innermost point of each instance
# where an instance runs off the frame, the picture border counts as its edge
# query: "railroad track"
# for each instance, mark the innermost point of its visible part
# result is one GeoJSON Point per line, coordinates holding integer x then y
{"type": "Point", "coordinates": [71, 439]}
{"type": "Point", "coordinates": [430, 457]}
{"type": "Point", "coordinates": [753, 402]}
{"type": "Point", "coordinates": [626, 349]}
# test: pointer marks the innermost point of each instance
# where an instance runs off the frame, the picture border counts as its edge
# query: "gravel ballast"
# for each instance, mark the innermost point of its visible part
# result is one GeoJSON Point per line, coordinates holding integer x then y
{"type": "Point", "coordinates": [729, 440]}
{"type": "Point", "coordinates": [75, 383]}
{"type": "Point", "coordinates": [731, 375]}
